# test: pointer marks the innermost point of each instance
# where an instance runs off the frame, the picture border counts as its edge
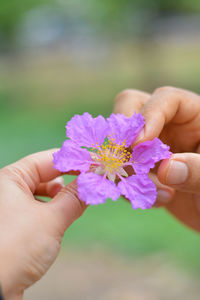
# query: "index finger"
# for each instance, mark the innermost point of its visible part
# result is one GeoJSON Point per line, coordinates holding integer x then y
{"type": "Point", "coordinates": [166, 105]}
{"type": "Point", "coordinates": [129, 101]}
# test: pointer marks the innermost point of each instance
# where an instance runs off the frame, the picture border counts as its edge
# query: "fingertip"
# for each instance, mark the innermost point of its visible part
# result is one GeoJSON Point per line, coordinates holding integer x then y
{"type": "Point", "coordinates": [154, 122]}
{"type": "Point", "coordinates": [130, 101]}
{"type": "Point", "coordinates": [55, 186]}
{"type": "Point", "coordinates": [164, 196]}
{"type": "Point", "coordinates": [139, 138]}
{"type": "Point", "coordinates": [144, 135]}
{"type": "Point", "coordinates": [149, 131]}
{"type": "Point", "coordinates": [162, 170]}
{"type": "Point", "coordinates": [54, 190]}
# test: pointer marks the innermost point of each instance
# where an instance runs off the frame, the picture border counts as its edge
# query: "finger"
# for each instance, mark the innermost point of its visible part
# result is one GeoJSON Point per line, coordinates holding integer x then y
{"type": "Point", "coordinates": [165, 193]}
{"type": "Point", "coordinates": [51, 188]}
{"type": "Point", "coordinates": [73, 173]}
{"type": "Point", "coordinates": [181, 171]}
{"type": "Point", "coordinates": [130, 101]}
{"type": "Point", "coordinates": [67, 206]}
{"type": "Point", "coordinates": [166, 105]}
{"type": "Point", "coordinates": [32, 170]}
{"type": "Point", "coordinates": [185, 208]}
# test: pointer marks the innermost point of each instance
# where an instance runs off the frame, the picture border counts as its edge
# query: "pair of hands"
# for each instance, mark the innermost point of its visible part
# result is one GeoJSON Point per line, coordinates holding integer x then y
{"type": "Point", "coordinates": [31, 230]}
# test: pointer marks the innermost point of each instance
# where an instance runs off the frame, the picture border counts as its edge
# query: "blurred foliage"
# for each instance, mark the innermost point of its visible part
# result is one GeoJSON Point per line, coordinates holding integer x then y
{"type": "Point", "coordinates": [119, 10]}
{"type": "Point", "coordinates": [109, 15]}
{"type": "Point", "coordinates": [12, 11]}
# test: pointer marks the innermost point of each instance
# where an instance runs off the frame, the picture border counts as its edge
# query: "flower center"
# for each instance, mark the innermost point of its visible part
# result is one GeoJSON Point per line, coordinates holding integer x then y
{"type": "Point", "coordinates": [111, 158]}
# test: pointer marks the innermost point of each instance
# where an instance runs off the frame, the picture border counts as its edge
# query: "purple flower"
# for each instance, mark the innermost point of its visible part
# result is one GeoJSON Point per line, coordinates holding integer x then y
{"type": "Point", "coordinates": [101, 150]}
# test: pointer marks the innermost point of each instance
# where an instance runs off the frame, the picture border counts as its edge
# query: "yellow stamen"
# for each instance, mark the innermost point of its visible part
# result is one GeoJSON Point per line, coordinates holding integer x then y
{"type": "Point", "coordinates": [112, 156]}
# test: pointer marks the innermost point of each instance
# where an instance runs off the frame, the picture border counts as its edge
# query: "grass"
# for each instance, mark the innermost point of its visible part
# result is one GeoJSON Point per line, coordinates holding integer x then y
{"type": "Point", "coordinates": [135, 233]}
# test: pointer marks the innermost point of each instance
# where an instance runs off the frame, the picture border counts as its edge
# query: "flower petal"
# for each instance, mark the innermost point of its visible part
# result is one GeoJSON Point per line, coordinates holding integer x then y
{"type": "Point", "coordinates": [146, 154]}
{"type": "Point", "coordinates": [72, 157]}
{"type": "Point", "coordinates": [124, 128]}
{"type": "Point", "coordinates": [140, 190]}
{"type": "Point", "coordinates": [86, 131]}
{"type": "Point", "coordinates": [95, 189]}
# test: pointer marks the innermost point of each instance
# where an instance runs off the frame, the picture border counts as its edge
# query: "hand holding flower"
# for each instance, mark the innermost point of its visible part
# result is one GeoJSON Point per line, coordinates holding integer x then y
{"type": "Point", "coordinates": [173, 115]}
{"type": "Point", "coordinates": [101, 150]}
{"type": "Point", "coordinates": [32, 230]}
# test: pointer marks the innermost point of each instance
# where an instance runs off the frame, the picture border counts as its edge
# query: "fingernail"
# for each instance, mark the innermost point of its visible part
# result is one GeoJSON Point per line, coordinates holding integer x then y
{"type": "Point", "coordinates": [163, 196]}
{"type": "Point", "coordinates": [177, 172]}
{"type": "Point", "coordinates": [139, 136]}
{"type": "Point", "coordinates": [59, 180]}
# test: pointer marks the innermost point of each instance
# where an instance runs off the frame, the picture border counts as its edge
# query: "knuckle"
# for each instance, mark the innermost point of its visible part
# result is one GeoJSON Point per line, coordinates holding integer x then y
{"type": "Point", "coordinates": [81, 206]}
{"type": "Point", "coordinates": [132, 94]}
{"type": "Point", "coordinates": [12, 171]}
{"type": "Point", "coordinates": [16, 174]}
{"type": "Point", "coordinates": [165, 89]}
{"type": "Point", "coordinates": [169, 94]}
{"type": "Point", "coordinates": [127, 93]}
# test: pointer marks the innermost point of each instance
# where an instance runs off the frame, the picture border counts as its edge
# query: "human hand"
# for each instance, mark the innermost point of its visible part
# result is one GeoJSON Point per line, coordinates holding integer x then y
{"type": "Point", "coordinates": [173, 115]}
{"type": "Point", "coordinates": [31, 231]}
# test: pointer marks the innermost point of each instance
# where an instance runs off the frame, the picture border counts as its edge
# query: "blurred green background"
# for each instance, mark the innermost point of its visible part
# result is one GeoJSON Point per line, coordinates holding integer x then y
{"type": "Point", "coordinates": [59, 58]}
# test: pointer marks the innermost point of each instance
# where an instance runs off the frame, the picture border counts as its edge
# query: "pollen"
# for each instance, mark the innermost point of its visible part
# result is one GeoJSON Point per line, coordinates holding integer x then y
{"type": "Point", "coordinates": [112, 156]}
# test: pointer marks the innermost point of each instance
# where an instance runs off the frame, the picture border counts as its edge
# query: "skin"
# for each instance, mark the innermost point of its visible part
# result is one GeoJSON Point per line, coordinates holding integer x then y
{"type": "Point", "coordinates": [32, 230]}
{"type": "Point", "coordinates": [173, 115]}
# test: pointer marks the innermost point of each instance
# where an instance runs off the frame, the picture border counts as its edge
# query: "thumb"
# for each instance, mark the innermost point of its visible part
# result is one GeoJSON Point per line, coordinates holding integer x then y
{"type": "Point", "coordinates": [181, 171]}
{"type": "Point", "coordinates": [67, 206]}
